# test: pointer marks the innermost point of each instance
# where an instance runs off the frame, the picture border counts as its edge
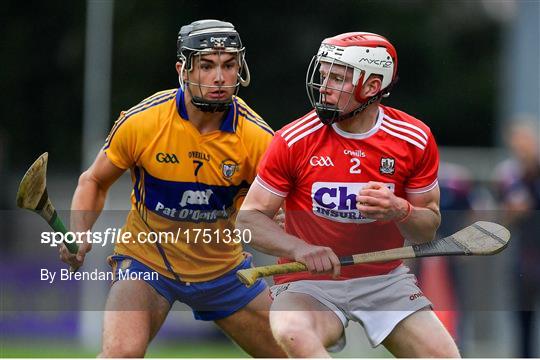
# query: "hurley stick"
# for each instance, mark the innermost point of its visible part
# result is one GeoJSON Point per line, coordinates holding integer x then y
{"type": "Point", "coordinates": [480, 238]}
{"type": "Point", "coordinates": [32, 195]}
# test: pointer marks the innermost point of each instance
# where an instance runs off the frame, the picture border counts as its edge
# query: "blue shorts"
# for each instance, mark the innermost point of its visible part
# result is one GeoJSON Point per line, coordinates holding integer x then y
{"type": "Point", "coordinates": [210, 300]}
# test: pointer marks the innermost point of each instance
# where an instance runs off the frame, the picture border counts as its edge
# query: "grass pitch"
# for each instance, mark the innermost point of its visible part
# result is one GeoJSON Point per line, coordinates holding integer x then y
{"type": "Point", "coordinates": [32, 349]}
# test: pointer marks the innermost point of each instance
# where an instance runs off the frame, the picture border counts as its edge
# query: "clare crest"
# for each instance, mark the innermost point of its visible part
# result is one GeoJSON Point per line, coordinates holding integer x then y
{"type": "Point", "coordinates": [228, 168]}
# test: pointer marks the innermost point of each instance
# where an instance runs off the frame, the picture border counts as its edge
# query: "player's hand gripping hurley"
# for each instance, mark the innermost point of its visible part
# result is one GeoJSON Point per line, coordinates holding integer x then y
{"type": "Point", "coordinates": [480, 238]}
{"type": "Point", "coordinates": [32, 195]}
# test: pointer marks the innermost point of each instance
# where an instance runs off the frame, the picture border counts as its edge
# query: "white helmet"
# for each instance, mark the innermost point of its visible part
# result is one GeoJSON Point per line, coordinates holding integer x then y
{"type": "Point", "coordinates": [366, 54]}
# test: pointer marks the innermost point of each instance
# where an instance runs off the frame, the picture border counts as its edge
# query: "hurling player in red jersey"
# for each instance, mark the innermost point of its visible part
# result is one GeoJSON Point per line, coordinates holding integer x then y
{"type": "Point", "coordinates": [354, 176]}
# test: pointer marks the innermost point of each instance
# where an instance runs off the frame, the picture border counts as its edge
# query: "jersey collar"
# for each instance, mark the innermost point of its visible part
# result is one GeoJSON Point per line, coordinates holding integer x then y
{"type": "Point", "coordinates": [227, 125]}
{"type": "Point", "coordinates": [365, 135]}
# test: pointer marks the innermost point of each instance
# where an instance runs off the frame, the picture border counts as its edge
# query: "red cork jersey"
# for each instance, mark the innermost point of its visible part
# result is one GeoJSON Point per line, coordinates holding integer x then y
{"type": "Point", "coordinates": [320, 169]}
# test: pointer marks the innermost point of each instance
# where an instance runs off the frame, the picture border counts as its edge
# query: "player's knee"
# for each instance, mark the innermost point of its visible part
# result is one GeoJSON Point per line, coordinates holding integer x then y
{"type": "Point", "coordinates": [291, 337]}
{"type": "Point", "coordinates": [290, 329]}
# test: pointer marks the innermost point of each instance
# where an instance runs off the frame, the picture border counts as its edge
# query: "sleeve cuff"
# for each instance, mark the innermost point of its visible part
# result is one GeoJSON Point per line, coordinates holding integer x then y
{"type": "Point", "coordinates": [270, 188]}
{"type": "Point", "coordinates": [115, 160]}
{"type": "Point", "coordinates": [424, 189]}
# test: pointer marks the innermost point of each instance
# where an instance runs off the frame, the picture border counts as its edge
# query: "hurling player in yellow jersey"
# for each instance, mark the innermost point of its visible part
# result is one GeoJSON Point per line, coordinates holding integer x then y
{"type": "Point", "coordinates": [192, 153]}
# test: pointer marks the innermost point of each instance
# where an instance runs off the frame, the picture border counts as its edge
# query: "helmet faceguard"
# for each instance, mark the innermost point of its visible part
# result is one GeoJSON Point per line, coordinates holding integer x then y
{"type": "Point", "coordinates": [205, 37]}
{"type": "Point", "coordinates": [363, 54]}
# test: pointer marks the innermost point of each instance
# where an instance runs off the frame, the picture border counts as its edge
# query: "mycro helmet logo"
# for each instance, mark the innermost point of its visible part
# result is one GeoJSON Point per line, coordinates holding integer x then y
{"type": "Point", "coordinates": [381, 63]}
{"type": "Point", "coordinates": [218, 41]}
{"type": "Point", "coordinates": [337, 201]}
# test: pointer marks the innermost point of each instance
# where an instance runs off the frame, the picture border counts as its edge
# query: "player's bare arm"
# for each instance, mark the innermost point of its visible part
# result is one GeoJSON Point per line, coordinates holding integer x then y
{"type": "Point", "coordinates": [257, 213]}
{"type": "Point", "coordinates": [88, 201]}
{"type": "Point", "coordinates": [417, 218]}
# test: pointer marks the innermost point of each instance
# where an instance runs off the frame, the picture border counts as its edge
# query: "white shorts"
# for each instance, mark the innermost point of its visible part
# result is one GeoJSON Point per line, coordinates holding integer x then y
{"type": "Point", "coordinates": [378, 303]}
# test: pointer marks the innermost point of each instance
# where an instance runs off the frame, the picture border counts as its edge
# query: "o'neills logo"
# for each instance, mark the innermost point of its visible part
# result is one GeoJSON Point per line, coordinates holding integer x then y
{"type": "Point", "coordinates": [416, 296]}
{"type": "Point", "coordinates": [358, 153]}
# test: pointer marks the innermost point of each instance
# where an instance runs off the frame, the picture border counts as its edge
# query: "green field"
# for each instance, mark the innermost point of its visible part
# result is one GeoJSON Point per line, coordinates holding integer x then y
{"type": "Point", "coordinates": [32, 349]}
{"type": "Point", "coordinates": [219, 349]}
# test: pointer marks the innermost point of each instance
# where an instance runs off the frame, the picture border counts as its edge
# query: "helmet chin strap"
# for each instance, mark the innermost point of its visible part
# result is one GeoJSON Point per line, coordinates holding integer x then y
{"type": "Point", "coordinates": [212, 106]}
{"type": "Point", "coordinates": [208, 106]}
{"type": "Point", "coordinates": [330, 114]}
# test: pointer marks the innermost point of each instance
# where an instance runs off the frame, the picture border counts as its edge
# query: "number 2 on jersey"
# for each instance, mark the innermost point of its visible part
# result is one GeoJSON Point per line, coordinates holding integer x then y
{"type": "Point", "coordinates": [355, 166]}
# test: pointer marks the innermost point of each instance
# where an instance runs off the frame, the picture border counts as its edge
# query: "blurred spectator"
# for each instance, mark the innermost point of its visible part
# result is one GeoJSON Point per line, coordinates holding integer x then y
{"type": "Point", "coordinates": [455, 182]}
{"type": "Point", "coordinates": [518, 189]}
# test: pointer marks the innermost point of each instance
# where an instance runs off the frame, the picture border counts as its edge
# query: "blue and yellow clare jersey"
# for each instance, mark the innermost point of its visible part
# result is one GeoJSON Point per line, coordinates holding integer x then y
{"type": "Point", "coordinates": [187, 186]}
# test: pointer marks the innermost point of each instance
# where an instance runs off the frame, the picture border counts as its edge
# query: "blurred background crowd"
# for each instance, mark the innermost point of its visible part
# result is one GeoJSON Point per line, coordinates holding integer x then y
{"type": "Point", "coordinates": [468, 68]}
